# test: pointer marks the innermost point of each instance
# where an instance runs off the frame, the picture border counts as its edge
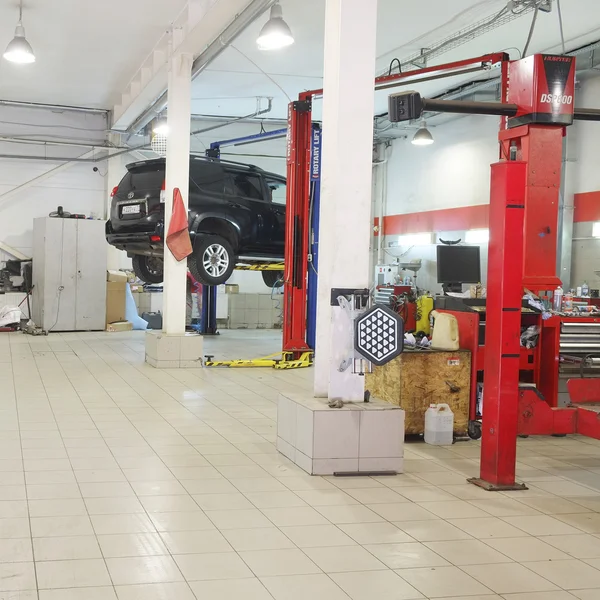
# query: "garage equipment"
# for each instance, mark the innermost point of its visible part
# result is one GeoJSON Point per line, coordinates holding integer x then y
{"type": "Point", "coordinates": [539, 102]}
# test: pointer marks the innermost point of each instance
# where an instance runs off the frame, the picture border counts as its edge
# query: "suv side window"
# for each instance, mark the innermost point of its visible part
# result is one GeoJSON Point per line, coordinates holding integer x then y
{"type": "Point", "coordinates": [207, 178]}
{"type": "Point", "coordinates": [277, 190]}
{"type": "Point", "coordinates": [247, 185]}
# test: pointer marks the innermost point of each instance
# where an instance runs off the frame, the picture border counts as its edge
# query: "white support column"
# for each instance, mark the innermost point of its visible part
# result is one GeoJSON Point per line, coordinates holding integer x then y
{"type": "Point", "coordinates": [178, 173]}
{"type": "Point", "coordinates": [345, 218]}
{"type": "Point", "coordinates": [115, 172]}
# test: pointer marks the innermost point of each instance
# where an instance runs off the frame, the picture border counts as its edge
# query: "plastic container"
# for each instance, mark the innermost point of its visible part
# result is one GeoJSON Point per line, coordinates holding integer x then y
{"type": "Point", "coordinates": [568, 302]}
{"type": "Point", "coordinates": [439, 425]}
{"type": "Point", "coordinates": [445, 332]}
{"type": "Point", "coordinates": [585, 289]}
{"type": "Point", "coordinates": [557, 299]}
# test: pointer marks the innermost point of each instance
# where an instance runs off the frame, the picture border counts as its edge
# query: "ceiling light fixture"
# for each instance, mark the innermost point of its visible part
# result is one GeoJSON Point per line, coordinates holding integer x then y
{"type": "Point", "coordinates": [275, 33]}
{"type": "Point", "coordinates": [19, 50]}
{"type": "Point", "coordinates": [423, 136]}
{"type": "Point", "coordinates": [160, 126]}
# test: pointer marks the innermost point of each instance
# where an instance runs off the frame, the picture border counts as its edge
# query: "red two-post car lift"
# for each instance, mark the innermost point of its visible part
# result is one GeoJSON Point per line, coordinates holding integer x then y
{"type": "Point", "coordinates": [538, 103]}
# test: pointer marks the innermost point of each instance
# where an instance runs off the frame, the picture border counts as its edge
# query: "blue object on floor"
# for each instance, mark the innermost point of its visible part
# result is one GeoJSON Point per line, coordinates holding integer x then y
{"type": "Point", "coordinates": [131, 313]}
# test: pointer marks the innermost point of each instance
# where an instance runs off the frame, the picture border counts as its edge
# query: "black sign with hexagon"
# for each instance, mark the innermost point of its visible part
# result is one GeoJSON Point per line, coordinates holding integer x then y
{"type": "Point", "coordinates": [379, 335]}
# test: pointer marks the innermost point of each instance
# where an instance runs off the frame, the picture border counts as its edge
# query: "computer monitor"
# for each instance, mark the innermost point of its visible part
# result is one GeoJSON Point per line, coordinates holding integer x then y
{"type": "Point", "coordinates": [458, 264]}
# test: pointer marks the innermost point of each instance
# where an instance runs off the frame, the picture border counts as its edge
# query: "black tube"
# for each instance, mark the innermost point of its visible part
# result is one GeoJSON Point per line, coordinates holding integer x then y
{"type": "Point", "coordinates": [587, 114]}
{"type": "Point", "coordinates": [469, 108]}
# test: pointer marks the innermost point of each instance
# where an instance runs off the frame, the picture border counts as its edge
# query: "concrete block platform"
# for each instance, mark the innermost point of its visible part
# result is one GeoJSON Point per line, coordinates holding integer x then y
{"type": "Point", "coordinates": [358, 437]}
{"type": "Point", "coordinates": [174, 351]}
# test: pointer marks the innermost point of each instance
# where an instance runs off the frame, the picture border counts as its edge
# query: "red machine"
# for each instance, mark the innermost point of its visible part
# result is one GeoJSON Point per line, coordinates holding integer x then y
{"type": "Point", "coordinates": [539, 103]}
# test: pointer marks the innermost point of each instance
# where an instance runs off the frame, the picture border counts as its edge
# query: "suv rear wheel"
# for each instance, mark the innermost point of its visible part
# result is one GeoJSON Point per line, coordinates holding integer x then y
{"type": "Point", "coordinates": [212, 261]}
{"type": "Point", "coordinates": [273, 279]}
{"type": "Point", "coordinates": [148, 268]}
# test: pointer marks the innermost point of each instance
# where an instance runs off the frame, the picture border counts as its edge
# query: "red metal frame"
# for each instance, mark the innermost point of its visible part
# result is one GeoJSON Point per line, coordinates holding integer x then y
{"type": "Point", "coordinates": [297, 213]}
{"type": "Point", "coordinates": [503, 323]}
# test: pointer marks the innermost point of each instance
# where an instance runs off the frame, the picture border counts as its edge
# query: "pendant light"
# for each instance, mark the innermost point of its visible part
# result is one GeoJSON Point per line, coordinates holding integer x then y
{"type": "Point", "coordinates": [275, 33]}
{"type": "Point", "coordinates": [160, 126]}
{"type": "Point", "coordinates": [423, 136]}
{"type": "Point", "coordinates": [19, 50]}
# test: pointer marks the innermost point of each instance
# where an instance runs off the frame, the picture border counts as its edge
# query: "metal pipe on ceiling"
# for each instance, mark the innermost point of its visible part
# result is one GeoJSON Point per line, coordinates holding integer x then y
{"type": "Point", "coordinates": [54, 107]}
{"type": "Point", "coordinates": [254, 10]}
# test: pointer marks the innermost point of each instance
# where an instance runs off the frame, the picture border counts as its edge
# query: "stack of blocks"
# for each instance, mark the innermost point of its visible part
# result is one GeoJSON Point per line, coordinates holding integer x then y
{"type": "Point", "coordinates": [356, 438]}
{"type": "Point", "coordinates": [255, 311]}
{"type": "Point", "coordinates": [173, 351]}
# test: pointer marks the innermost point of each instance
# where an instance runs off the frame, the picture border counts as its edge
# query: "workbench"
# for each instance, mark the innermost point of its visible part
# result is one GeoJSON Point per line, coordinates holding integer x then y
{"type": "Point", "coordinates": [418, 378]}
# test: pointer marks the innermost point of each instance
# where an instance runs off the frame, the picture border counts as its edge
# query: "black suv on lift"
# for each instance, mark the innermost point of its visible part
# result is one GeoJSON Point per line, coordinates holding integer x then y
{"type": "Point", "coordinates": [236, 214]}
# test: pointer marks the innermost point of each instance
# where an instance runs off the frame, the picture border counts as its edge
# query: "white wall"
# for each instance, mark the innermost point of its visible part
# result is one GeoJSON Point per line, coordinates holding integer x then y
{"type": "Point", "coordinates": [78, 189]}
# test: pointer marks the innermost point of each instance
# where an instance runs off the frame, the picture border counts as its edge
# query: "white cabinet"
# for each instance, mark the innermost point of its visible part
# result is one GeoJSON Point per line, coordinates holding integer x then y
{"type": "Point", "coordinates": [69, 274]}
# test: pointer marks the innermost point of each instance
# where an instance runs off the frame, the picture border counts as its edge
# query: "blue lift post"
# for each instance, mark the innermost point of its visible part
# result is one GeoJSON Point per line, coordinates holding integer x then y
{"type": "Point", "coordinates": [313, 263]}
{"type": "Point", "coordinates": [208, 315]}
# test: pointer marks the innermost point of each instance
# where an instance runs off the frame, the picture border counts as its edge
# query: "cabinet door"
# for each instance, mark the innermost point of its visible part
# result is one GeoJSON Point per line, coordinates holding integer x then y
{"type": "Point", "coordinates": [90, 310]}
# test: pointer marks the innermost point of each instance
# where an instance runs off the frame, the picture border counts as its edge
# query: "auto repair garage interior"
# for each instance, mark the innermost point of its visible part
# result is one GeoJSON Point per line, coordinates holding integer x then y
{"type": "Point", "coordinates": [300, 299]}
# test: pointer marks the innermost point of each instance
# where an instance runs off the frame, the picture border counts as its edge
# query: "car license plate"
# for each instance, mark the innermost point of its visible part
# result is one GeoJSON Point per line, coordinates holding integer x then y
{"type": "Point", "coordinates": [131, 209]}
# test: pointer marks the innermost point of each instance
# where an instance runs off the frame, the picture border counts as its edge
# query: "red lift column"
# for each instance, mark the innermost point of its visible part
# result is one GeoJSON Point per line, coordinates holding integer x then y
{"type": "Point", "coordinates": [503, 327]}
{"type": "Point", "coordinates": [297, 226]}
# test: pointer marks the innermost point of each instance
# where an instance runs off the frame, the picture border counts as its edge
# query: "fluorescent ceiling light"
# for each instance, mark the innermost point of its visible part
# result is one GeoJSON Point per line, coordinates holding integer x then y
{"type": "Point", "coordinates": [275, 33]}
{"type": "Point", "coordinates": [19, 49]}
{"type": "Point", "coordinates": [423, 136]}
{"type": "Point", "coordinates": [478, 236]}
{"type": "Point", "coordinates": [160, 127]}
{"type": "Point", "coordinates": [596, 229]}
{"type": "Point", "coordinates": [415, 239]}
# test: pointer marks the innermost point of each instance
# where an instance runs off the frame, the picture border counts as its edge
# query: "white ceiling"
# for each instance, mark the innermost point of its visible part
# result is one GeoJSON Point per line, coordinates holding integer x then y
{"type": "Point", "coordinates": [86, 56]}
{"type": "Point", "coordinates": [85, 50]}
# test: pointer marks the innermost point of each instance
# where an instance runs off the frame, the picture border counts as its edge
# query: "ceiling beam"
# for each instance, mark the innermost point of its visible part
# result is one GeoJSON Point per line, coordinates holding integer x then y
{"type": "Point", "coordinates": [199, 24]}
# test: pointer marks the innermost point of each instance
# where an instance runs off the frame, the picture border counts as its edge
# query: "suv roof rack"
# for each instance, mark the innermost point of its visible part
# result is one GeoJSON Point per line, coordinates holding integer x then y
{"type": "Point", "coordinates": [198, 156]}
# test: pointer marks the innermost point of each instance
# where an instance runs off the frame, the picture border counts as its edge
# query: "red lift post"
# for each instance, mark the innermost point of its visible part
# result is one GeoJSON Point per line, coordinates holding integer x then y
{"type": "Point", "coordinates": [297, 200]}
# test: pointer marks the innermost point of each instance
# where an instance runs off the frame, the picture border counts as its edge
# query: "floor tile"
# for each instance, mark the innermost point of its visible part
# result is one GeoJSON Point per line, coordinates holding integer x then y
{"type": "Point", "coordinates": [567, 574]}
{"type": "Point", "coordinates": [275, 499]}
{"type": "Point", "coordinates": [318, 536]}
{"type": "Point", "coordinates": [230, 589]}
{"type": "Point", "coordinates": [587, 522]}
{"type": "Point", "coordinates": [57, 508]}
{"type": "Point", "coordinates": [510, 578]}
{"type": "Point", "coordinates": [523, 549]}
{"type": "Point", "coordinates": [66, 548]}
{"type": "Point", "coordinates": [375, 533]}
{"type": "Point", "coordinates": [221, 502]}
{"type": "Point", "coordinates": [145, 569]}
{"type": "Point", "coordinates": [296, 516]}
{"type": "Point", "coordinates": [61, 526]}
{"type": "Point", "coordinates": [132, 544]}
{"type": "Point", "coordinates": [169, 503]}
{"type": "Point", "coordinates": [344, 559]}
{"type": "Point", "coordinates": [542, 525]}
{"type": "Point", "coordinates": [10, 509]}
{"type": "Point", "coordinates": [195, 542]}
{"type": "Point", "coordinates": [490, 527]}
{"type": "Point", "coordinates": [181, 521]}
{"type": "Point", "coordinates": [113, 506]}
{"type": "Point", "coordinates": [16, 550]}
{"type": "Point", "coordinates": [129, 523]}
{"type": "Point", "coordinates": [87, 593]}
{"type": "Point", "coordinates": [333, 497]}
{"type": "Point", "coordinates": [238, 519]}
{"type": "Point", "coordinates": [406, 556]}
{"type": "Point", "coordinates": [353, 513]}
{"type": "Point", "coordinates": [303, 587]}
{"type": "Point", "coordinates": [72, 573]}
{"type": "Point", "coordinates": [427, 493]}
{"type": "Point", "coordinates": [273, 563]}
{"type": "Point", "coordinates": [202, 567]}
{"type": "Point", "coordinates": [468, 552]}
{"type": "Point", "coordinates": [432, 531]}
{"type": "Point", "coordinates": [438, 582]}
{"type": "Point", "coordinates": [198, 487]}
{"type": "Point", "coordinates": [17, 576]}
{"type": "Point", "coordinates": [155, 591]}
{"type": "Point", "coordinates": [406, 511]}
{"type": "Point", "coordinates": [575, 546]}
{"type": "Point", "coordinates": [264, 538]}
{"type": "Point", "coordinates": [369, 585]}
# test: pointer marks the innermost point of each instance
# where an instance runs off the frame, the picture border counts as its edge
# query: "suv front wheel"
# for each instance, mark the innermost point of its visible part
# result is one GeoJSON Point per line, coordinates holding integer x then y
{"type": "Point", "coordinates": [212, 261]}
{"type": "Point", "coordinates": [148, 268]}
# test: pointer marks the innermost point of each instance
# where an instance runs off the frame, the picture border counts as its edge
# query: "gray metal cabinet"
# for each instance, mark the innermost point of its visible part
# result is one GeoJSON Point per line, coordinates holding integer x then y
{"type": "Point", "coordinates": [69, 274]}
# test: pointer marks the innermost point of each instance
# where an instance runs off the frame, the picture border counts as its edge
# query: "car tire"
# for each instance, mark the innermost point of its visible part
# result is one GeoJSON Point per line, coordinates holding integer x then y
{"type": "Point", "coordinates": [212, 261]}
{"type": "Point", "coordinates": [150, 269]}
{"type": "Point", "coordinates": [273, 279]}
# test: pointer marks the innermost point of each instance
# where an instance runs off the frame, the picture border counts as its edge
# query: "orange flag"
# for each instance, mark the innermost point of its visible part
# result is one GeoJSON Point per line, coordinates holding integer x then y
{"type": "Point", "coordinates": [178, 237]}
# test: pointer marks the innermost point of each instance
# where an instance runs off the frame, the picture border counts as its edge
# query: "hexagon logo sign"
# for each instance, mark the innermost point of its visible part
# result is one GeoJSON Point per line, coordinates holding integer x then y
{"type": "Point", "coordinates": [379, 335]}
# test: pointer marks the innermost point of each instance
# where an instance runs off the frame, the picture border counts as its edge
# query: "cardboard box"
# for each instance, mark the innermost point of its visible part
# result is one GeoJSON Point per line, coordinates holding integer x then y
{"type": "Point", "coordinates": [120, 326]}
{"type": "Point", "coordinates": [115, 301]}
{"type": "Point", "coordinates": [115, 276]}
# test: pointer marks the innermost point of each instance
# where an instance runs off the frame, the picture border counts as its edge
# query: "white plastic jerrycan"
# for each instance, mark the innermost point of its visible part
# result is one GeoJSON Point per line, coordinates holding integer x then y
{"type": "Point", "coordinates": [439, 425]}
{"type": "Point", "coordinates": [445, 332]}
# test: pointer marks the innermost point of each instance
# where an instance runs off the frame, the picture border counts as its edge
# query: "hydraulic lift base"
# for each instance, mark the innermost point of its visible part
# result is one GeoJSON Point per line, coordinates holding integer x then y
{"type": "Point", "coordinates": [492, 487]}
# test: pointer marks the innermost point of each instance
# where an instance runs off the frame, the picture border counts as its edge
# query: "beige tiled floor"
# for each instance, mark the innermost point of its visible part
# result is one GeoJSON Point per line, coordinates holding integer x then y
{"type": "Point", "coordinates": [121, 482]}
